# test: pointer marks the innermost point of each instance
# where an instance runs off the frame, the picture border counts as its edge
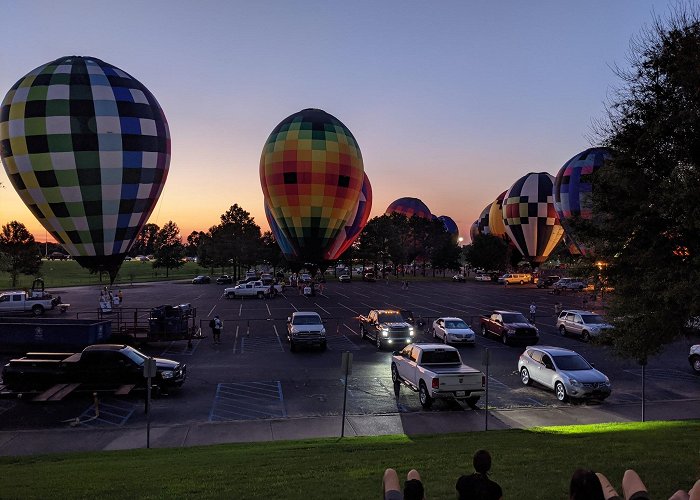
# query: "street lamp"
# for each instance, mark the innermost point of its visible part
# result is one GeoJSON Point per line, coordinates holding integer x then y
{"type": "Point", "coordinates": [461, 256]}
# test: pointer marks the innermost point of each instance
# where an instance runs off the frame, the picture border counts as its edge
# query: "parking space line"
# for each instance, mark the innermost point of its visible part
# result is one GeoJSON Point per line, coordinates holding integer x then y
{"type": "Point", "coordinates": [325, 311]}
{"type": "Point", "coordinates": [341, 343]}
{"type": "Point", "coordinates": [240, 309]}
{"type": "Point", "coordinates": [235, 339]}
{"type": "Point", "coordinates": [248, 401]}
{"type": "Point", "coordinates": [268, 310]}
{"type": "Point", "coordinates": [180, 347]}
{"type": "Point", "coordinates": [349, 309]}
{"type": "Point", "coordinates": [112, 412]}
{"type": "Point", "coordinates": [353, 331]}
{"type": "Point", "coordinates": [343, 295]}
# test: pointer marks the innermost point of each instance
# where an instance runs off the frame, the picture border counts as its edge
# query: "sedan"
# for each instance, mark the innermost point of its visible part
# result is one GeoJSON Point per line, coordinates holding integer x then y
{"type": "Point", "coordinates": [224, 279]}
{"type": "Point", "coordinates": [459, 278]}
{"type": "Point", "coordinates": [201, 279]}
{"type": "Point", "coordinates": [565, 372]}
{"type": "Point", "coordinates": [482, 277]}
{"type": "Point", "coordinates": [453, 331]}
{"type": "Point", "coordinates": [344, 278]}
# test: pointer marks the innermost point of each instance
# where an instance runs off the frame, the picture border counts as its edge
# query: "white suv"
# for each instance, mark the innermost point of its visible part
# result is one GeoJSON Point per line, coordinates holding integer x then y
{"type": "Point", "coordinates": [569, 284]}
{"type": "Point", "coordinates": [585, 324]}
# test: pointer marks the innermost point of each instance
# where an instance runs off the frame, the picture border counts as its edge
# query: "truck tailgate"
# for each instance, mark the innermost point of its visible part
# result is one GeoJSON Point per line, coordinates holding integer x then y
{"type": "Point", "coordinates": [458, 378]}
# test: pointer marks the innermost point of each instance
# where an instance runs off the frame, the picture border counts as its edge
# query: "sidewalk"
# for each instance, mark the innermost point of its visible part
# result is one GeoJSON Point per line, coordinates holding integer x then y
{"type": "Point", "coordinates": [82, 438]}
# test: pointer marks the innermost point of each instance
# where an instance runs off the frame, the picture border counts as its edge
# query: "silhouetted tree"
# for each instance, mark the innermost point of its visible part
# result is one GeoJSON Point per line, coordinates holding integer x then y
{"type": "Point", "coordinates": [20, 253]}
{"type": "Point", "coordinates": [168, 249]}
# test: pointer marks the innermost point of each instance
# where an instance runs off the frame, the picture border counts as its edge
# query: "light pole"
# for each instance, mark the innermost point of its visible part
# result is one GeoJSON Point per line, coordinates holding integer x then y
{"type": "Point", "coordinates": [461, 256]}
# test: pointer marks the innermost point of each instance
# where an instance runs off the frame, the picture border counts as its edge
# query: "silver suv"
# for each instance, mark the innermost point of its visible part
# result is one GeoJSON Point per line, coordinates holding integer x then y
{"type": "Point", "coordinates": [569, 284]}
{"type": "Point", "coordinates": [564, 371]}
{"type": "Point", "coordinates": [585, 324]}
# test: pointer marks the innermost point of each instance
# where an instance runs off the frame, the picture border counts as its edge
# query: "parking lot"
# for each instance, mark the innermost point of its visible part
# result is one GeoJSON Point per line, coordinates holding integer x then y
{"type": "Point", "coordinates": [252, 375]}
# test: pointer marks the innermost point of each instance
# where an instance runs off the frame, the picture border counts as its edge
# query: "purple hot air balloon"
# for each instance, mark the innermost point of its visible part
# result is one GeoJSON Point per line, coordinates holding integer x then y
{"type": "Point", "coordinates": [409, 207]}
{"type": "Point", "coordinates": [450, 225]}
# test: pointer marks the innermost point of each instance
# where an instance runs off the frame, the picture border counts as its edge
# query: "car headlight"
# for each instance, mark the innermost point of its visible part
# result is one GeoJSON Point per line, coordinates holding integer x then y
{"type": "Point", "coordinates": [411, 332]}
{"type": "Point", "coordinates": [167, 374]}
{"type": "Point", "coordinates": [385, 333]}
{"type": "Point", "coordinates": [574, 382]}
{"type": "Point", "coordinates": [323, 331]}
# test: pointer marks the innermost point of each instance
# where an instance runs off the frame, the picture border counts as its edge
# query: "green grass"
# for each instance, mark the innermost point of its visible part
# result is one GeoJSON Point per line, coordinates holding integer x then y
{"type": "Point", "coordinates": [529, 465]}
{"type": "Point", "coordinates": [68, 272]}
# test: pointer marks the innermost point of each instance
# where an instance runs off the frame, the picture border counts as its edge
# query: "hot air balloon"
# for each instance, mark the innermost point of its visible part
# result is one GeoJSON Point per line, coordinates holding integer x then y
{"type": "Point", "coordinates": [356, 224]}
{"type": "Point", "coordinates": [409, 207]}
{"type": "Point", "coordinates": [483, 224]}
{"type": "Point", "coordinates": [87, 147]}
{"type": "Point", "coordinates": [572, 189]}
{"type": "Point", "coordinates": [311, 173]}
{"type": "Point", "coordinates": [530, 220]}
{"type": "Point", "coordinates": [474, 230]}
{"type": "Point", "coordinates": [496, 225]}
{"type": "Point", "coordinates": [284, 244]}
{"type": "Point", "coordinates": [450, 225]}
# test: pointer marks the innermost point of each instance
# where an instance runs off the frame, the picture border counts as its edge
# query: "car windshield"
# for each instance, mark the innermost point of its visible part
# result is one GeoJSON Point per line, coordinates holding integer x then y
{"type": "Point", "coordinates": [306, 320]}
{"type": "Point", "coordinates": [456, 324]}
{"type": "Point", "coordinates": [134, 356]}
{"type": "Point", "coordinates": [592, 319]}
{"type": "Point", "coordinates": [440, 357]}
{"type": "Point", "coordinates": [571, 362]}
{"type": "Point", "coordinates": [390, 318]}
{"type": "Point", "coordinates": [514, 318]}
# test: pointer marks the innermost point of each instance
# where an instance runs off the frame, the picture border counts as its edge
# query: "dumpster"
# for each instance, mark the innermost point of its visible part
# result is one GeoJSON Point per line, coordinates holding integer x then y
{"type": "Point", "coordinates": [17, 334]}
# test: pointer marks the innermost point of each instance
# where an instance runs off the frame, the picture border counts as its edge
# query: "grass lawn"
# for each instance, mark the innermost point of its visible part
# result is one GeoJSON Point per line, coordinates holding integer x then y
{"type": "Point", "coordinates": [529, 465]}
{"type": "Point", "coordinates": [68, 272]}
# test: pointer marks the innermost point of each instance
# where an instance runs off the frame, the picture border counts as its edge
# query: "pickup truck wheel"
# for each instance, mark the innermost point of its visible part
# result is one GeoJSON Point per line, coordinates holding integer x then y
{"type": "Point", "coordinates": [695, 363]}
{"type": "Point", "coordinates": [484, 331]}
{"type": "Point", "coordinates": [37, 310]}
{"type": "Point", "coordinates": [585, 336]}
{"type": "Point", "coordinates": [525, 376]}
{"type": "Point", "coordinates": [560, 391]}
{"type": "Point", "coordinates": [395, 374]}
{"type": "Point", "coordinates": [562, 331]}
{"type": "Point", "coordinates": [425, 400]}
{"type": "Point", "coordinates": [230, 295]}
{"type": "Point", "coordinates": [472, 402]}
{"type": "Point", "coordinates": [261, 295]}
{"type": "Point", "coordinates": [379, 343]}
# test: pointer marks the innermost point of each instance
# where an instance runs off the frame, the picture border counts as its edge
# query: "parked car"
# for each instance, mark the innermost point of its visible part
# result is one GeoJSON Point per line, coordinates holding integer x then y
{"type": "Point", "coordinates": [201, 279]}
{"type": "Point", "coordinates": [344, 278]}
{"type": "Point", "coordinates": [386, 327]}
{"type": "Point", "coordinates": [694, 358]}
{"type": "Point", "coordinates": [510, 326]}
{"type": "Point", "coordinates": [520, 278]}
{"type": "Point", "coordinates": [569, 284]}
{"type": "Point", "coordinates": [224, 279]}
{"type": "Point", "coordinates": [585, 324]}
{"type": "Point", "coordinates": [547, 281]}
{"type": "Point", "coordinates": [453, 331]}
{"type": "Point", "coordinates": [459, 278]}
{"type": "Point", "coordinates": [369, 277]}
{"type": "Point", "coordinates": [482, 277]}
{"type": "Point", "coordinates": [566, 372]}
{"type": "Point", "coordinates": [58, 256]}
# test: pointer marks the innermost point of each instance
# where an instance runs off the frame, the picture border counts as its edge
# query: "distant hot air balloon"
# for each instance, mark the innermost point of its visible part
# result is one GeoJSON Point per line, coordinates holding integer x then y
{"type": "Point", "coordinates": [529, 216]}
{"type": "Point", "coordinates": [474, 230]}
{"type": "Point", "coordinates": [496, 225]}
{"type": "Point", "coordinates": [450, 225]}
{"type": "Point", "coordinates": [284, 244]}
{"type": "Point", "coordinates": [311, 173]}
{"type": "Point", "coordinates": [572, 189]}
{"type": "Point", "coordinates": [87, 147]}
{"type": "Point", "coordinates": [483, 224]}
{"type": "Point", "coordinates": [409, 207]}
{"type": "Point", "coordinates": [356, 223]}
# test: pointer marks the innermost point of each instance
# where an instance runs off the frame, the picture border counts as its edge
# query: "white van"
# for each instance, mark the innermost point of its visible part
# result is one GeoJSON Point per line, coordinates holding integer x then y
{"type": "Point", "coordinates": [520, 278]}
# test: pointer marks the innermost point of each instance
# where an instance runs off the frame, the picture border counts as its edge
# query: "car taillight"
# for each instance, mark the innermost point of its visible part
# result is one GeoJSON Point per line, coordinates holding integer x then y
{"type": "Point", "coordinates": [483, 381]}
{"type": "Point", "coordinates": [436, 383]}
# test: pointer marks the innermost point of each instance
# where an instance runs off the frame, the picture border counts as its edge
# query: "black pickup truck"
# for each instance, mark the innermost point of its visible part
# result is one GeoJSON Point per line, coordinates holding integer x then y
{"type": "Point", "coordinates": [386, 327]}
{"type": "Point", "coordinates": [101, 365]}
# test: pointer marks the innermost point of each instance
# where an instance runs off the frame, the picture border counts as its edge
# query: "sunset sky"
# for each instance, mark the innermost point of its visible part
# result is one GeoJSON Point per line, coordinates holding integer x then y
{"type": "Point", "coordinates": [450, 101]}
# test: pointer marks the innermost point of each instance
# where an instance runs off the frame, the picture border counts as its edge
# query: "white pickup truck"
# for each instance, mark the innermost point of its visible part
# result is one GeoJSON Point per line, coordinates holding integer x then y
{"type": "Point", "coordinates": [436, 371]}
{"type": "Point", "coordinates": [15, 302]}
{"type": "Point", "coordinates": [251, 289]}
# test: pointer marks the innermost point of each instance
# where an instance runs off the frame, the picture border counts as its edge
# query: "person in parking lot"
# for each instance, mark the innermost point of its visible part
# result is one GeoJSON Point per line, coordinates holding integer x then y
{"type": "Point", "coordinates": [412, 489]}
{"type": "Point", "coordinates": [533, 312]}
{"type": "Point", "coordinates": [478, 486]}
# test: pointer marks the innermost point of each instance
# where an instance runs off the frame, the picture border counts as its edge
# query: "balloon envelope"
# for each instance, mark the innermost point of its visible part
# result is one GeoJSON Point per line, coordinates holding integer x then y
{"type": "Point", "coordinates": [483, 224]}
{"type": "Point", "coordinates": [496, 225]}
{"type": "Point", "coordinates": [282, 241]}
{"type": "Point", "coordinates": [87, 147]}
{"type": "Point", "coordinates": [311, 173]}
{"type": "Point", "coordinates": [356, 224]}
{"type": "Point", "coordinates": [572, 189]}
{"type": "Point", "coordinates": [450, 225]}
{"type": "Point", "coordinates": [474, 230]}
{"type": "Point", "coordinates": [409, 207]}
{"type": "Point", "coordinates": [530, 220]}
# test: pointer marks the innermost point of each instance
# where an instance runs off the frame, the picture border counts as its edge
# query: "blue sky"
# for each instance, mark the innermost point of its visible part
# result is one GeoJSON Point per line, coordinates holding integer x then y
{"type": "Point", "coordinates": [450, 101]}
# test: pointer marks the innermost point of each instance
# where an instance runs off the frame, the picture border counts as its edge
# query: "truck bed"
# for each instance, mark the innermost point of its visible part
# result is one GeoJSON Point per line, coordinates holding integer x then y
{"type": "Point", "coordinates": [451, 369]}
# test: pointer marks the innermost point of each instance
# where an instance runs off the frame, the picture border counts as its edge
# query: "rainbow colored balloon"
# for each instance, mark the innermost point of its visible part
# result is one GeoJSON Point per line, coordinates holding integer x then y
{"type": "Point", "coordinates": [572, 189]}
{"type": "Point", "coordinates": [284, 244]}
{"type": "Point", "coordinates": [529, 216]}
{"type": "Point", "coordinates": [409, 207]}
{"type": "Point", "coordinates": [311, 173]}
{"type": "Point", "coordinates": [87, 148]}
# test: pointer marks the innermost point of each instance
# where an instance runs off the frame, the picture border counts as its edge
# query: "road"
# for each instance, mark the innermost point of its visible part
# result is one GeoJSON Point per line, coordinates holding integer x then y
{"type": "Point", "coordinates": [252, 375]}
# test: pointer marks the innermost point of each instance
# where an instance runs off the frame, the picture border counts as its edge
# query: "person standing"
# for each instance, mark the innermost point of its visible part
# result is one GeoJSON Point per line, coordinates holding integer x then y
{"type": "Point", "coordinates": [533, 312]}
{"type": "Point", "coordinates": [216, 326]}
{"type": "Point", "coordinates": [478, 486]}
{"type": "Point", "coordinates": [121, 296]}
